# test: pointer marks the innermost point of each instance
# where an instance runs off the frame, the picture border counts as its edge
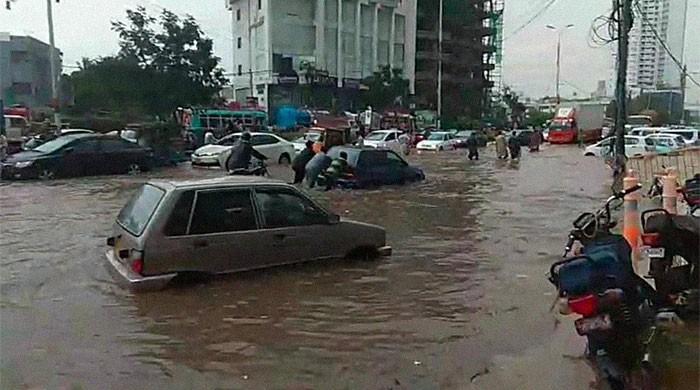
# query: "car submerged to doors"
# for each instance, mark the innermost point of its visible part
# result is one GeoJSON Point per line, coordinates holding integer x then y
{"type": "Point", "coordinates": [227, 225]}
{"type": "Point", "coordinates": [77, 155]}
{"type": "Point", "coordinates": [371, 167]}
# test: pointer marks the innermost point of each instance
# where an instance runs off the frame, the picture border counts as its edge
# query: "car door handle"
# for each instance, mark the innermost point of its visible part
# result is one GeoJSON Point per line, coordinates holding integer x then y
{"type": "Point", "coordinates": [200, 243]}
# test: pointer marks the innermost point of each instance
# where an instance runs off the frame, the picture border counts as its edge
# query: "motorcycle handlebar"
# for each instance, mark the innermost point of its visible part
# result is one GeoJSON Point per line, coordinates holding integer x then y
{"type": "Point", "coordinates": [626, 192]}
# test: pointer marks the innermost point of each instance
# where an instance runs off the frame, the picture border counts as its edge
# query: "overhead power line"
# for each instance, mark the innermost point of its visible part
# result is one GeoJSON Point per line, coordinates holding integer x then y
{"type": "Point", "coordinates": [532, 19]}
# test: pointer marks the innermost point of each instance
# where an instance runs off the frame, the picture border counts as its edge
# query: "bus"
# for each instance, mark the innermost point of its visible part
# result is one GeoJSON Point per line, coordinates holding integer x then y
{"type": "Point", "coordinates": [199, 121]}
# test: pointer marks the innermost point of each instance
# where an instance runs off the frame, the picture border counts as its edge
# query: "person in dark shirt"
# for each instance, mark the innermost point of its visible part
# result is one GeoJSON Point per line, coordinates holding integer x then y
{"type": "Point", "coordinates": [473, 146]}
{"type": "Point", "coordinates": [300, 161]}
{"type": "Point", "coordinates": [514, 146]}
{"type": "Point", "coordinates": [241, 153]}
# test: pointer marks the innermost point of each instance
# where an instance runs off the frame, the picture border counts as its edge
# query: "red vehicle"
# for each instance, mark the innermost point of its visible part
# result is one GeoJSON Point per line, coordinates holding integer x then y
{"type": "Point", "coordinates": [582, 120]}
{"type": "Point", "coordinates": [18, 110]}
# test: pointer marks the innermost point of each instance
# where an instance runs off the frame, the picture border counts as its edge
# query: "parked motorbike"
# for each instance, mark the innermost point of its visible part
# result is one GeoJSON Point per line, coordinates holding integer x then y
{"type": "Point", "coordinates": [616, 306]}
{"type": "Point", "coordinates": [256, 168]}
{"type": "Point", "coordinates": [672, 244]}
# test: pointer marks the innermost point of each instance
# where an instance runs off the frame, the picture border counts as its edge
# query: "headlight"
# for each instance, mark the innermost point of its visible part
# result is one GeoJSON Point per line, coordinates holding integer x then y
{"type": "Point", "coordinates": [23, 164]}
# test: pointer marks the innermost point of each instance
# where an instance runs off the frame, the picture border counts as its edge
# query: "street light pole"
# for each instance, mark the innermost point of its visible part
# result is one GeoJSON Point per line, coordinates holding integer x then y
{"type": "Point", "coordinates": [52, 64]}
{"type": "Point", "coordinates": [559, 33]}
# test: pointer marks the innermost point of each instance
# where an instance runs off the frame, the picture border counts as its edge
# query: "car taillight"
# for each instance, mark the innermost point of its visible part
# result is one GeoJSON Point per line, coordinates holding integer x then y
{"type": "Point", "coordinates": [585, 306]}
{"type": "Point", "coordinates": [137, 261]}
{"type": "Point", "coordinates": [651, 239]}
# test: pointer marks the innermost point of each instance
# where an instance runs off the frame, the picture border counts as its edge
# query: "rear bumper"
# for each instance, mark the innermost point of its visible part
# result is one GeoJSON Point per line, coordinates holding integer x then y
{"type": "Point", "coordinates": [133, 281]}
{"type": "Point", "coordinates": [384, 250]}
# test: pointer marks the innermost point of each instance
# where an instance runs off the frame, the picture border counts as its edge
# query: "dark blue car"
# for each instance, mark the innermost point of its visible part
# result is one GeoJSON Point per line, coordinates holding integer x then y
{"type": "Point", "coordinates": [375, 167]}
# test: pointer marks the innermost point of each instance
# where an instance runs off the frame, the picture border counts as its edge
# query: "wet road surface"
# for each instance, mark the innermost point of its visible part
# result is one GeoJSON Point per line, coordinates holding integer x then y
{"type": "Point", "coordinates": [462, 303]}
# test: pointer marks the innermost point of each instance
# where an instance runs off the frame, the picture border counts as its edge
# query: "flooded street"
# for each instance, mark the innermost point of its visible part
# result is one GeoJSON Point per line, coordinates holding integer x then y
{"type": "Point", "coordinates": [462, 303]}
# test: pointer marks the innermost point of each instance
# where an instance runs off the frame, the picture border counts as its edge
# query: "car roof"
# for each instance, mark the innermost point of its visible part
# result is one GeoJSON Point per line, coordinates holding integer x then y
{"type": "Point", "coordinates": [218, 182]}
{"type": "Point", "coordinates": [69, 131]}
{"type": "Point", "coordinates": [387, 131]}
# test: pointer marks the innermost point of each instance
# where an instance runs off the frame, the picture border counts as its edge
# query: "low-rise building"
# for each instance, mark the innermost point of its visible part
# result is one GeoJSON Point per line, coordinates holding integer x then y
{"type": "Point", "coordinates": [25, 70]}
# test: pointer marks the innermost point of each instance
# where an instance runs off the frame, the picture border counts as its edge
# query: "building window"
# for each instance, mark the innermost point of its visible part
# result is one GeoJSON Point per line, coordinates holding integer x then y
{"type": "Point", "coordinates": [240, 70]}
{"type": "Point", "coordinates": [238, 14]}
{"type": "Point", "coordinates": [238, 42]}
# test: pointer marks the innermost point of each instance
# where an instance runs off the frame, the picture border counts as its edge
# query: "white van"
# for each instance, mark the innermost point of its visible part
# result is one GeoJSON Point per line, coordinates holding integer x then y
{"type": "Point", "coordinates": [691, 136]}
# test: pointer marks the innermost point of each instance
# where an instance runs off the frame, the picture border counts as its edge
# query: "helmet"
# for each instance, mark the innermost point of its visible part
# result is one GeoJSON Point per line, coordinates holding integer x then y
{"type": "Point", "coordinates": [245, 136]}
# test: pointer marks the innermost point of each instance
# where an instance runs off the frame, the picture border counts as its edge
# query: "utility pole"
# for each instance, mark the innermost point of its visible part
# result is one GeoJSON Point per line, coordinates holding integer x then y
{"type": "Point", "coordinates": [684, 76]}
{"type": "Point", "coordinates": [250, 48]}
{"type": "Point", "coordinates": [439, 72]}
{"type": "Point", "coordinates": [559, 31]}
{"type": "Point", "coordinates": [623, 28]}
{"type": "Point", "coordinates": [52, 62]}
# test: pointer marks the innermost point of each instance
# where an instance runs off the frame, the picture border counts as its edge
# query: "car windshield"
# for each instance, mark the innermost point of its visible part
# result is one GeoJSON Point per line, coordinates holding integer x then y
{"type": "Point", "coordinates": [228, 140]}
{"type": "Point", "coordinates": [436, 137]}
{"type": "Point", "coordinates": [464, 134]}
{"type": "Point", "coordinates": [54, 145]}
{"type": "Point", "coordinates": [376, 136]}
{"type": "Point", "coordinates": [135, 215]}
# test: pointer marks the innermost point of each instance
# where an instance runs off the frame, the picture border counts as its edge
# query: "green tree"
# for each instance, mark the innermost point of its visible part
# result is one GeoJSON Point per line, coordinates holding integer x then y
{"type": "Point", "coordinates": [386, 88]}
{"type": "Point", "coordinates": [162, 63]}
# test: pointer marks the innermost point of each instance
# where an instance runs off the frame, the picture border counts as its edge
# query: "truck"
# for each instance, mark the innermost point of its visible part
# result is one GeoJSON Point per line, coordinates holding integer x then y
{"type": "Point", "coordinates": [582, 122]}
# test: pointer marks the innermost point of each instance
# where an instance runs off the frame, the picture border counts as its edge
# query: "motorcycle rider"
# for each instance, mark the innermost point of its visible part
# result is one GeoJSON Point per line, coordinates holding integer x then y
{"type": "Point", "coordinates": [241, 153]}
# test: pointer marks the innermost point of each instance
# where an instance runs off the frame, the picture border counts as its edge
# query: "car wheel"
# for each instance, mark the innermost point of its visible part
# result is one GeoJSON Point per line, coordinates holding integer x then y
{"type": "Point", "coordinates": [284, 159]}
{"type": "Point", "coordinates": [363, 253]}
{"type": "Point", "coordinates": [440, 149]}
{"type": "Point", "coordinates": [589, 154]}
{"type": "Point", "coordinates": [134, 169]}
{"type": "Point", "coordinates": [47, 174]}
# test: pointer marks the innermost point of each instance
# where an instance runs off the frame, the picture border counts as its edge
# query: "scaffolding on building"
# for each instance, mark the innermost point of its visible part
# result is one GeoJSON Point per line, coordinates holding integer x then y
{"type": "Point", "coordinates": [494, 41]}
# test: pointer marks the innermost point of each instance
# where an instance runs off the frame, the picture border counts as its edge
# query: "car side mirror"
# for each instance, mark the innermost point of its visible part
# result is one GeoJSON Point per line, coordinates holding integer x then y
{"type": "Point", "coordinates": [334, 219]}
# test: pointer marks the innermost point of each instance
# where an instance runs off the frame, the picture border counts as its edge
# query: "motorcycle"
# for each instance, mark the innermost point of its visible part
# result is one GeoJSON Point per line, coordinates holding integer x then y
{"type": "Point", "coordinates": [616, 306]}
{"type": "Point", "coordinates": [256, 168]}
{"type": "Point", "coordinates": [672, 245]}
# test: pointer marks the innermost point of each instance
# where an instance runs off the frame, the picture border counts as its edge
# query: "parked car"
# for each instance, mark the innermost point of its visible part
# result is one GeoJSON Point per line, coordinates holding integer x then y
{"type": "Point", "coordinates": [438, 141]}
{"type": "Point", "coordinates": [420, 136]}
{"type": "Point", "coordinates": [462, 136]}
{"type": "Point", "coordinates": [300, 143]}
{"type": "Point", "coordinates": [78, 155]}
{"type": "Point", "coordinates": [227, 225]}
{"type": "Point", "coordinates": [634, 146]}
{"type": "Point", "coordinates": [389, 139]}
{"type": "Point", "coordinates": [672, 141]}
{"type": "Point", "coordinates": [690, 135]}
{"type": "Point", "coordinates": [275, 148]}
{"type": "Point", "coordinates": [375, 167]}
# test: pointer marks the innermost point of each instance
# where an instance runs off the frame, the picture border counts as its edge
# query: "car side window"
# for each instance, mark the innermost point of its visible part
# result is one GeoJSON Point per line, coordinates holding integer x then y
{"type": "Point", "coordinates": [263, 139]}
{"type": "Point", "coordinates": [221, 211]}
{"type": "Point", "coordinates": [113, 145]}
{"type": "Point", "coordinates": [180, 215]}
{"type": "Point", "coordinates": [649, 141]}
{"type": "Point", "coordinates": [391, 137]}
{"type": "Point", "coordinates": [282, 207]}
{"type": "Point", "coordinates": [394, 159]}
{"type": "Point", "coordinates": [631, 141]}
{"type": "Point", "coordinates": [85, 146]}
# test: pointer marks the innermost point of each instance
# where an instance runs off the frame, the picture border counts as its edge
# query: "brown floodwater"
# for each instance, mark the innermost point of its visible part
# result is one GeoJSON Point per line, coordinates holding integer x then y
{"type": "Point", "coordinates": [463, 302]}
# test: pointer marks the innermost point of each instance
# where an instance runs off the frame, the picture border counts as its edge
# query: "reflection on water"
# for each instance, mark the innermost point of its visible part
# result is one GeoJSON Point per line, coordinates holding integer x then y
{"type": "Point", "coordinates": [429, 316]}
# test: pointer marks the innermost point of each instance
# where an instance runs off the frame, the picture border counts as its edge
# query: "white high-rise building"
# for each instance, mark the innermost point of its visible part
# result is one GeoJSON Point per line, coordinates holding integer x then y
{"type": "Point", "coordinates": [343, 41]}
{"type": "Point", "coordinates": [649, 65]}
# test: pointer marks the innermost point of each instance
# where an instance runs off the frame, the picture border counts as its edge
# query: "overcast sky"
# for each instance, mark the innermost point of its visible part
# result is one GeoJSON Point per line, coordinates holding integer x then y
{"type": "Point", "coordinates": [83, 30]}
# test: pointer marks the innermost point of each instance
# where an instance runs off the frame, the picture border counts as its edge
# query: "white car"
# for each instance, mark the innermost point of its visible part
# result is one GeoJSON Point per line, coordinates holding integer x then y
{"type": "Point", "coordinates": [438, 141]}
{"type": "Point", "coordinates": [276, 149]}
{"type": "Point", "coordinates": [389, 139]}
{"type": "Point", "coordinates": [300, 143]}
{"type": "Point", "coordinates": [672, 141]}
{"type": "Point", "coordinates": [635, 145]}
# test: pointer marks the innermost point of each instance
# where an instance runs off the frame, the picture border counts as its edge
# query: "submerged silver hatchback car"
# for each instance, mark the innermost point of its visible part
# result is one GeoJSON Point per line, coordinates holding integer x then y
{"type": "Point", "coordinates": [225, 225]}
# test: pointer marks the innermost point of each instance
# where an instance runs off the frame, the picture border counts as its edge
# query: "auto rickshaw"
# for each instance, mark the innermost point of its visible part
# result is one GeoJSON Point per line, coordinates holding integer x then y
{"type": "Point", "coordinates": [330, 137]}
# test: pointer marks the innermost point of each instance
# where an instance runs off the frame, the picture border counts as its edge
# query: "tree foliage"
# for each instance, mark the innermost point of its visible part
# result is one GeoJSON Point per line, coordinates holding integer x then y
{"type": "Point", "coordinates": [387, 88]}
{"type": "Point", "coordinates": [162, 63]}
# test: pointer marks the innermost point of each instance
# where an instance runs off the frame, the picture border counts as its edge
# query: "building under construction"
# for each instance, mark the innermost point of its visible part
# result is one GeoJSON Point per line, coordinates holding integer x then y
{"type": "Point", "coordinates": [469, 45]}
